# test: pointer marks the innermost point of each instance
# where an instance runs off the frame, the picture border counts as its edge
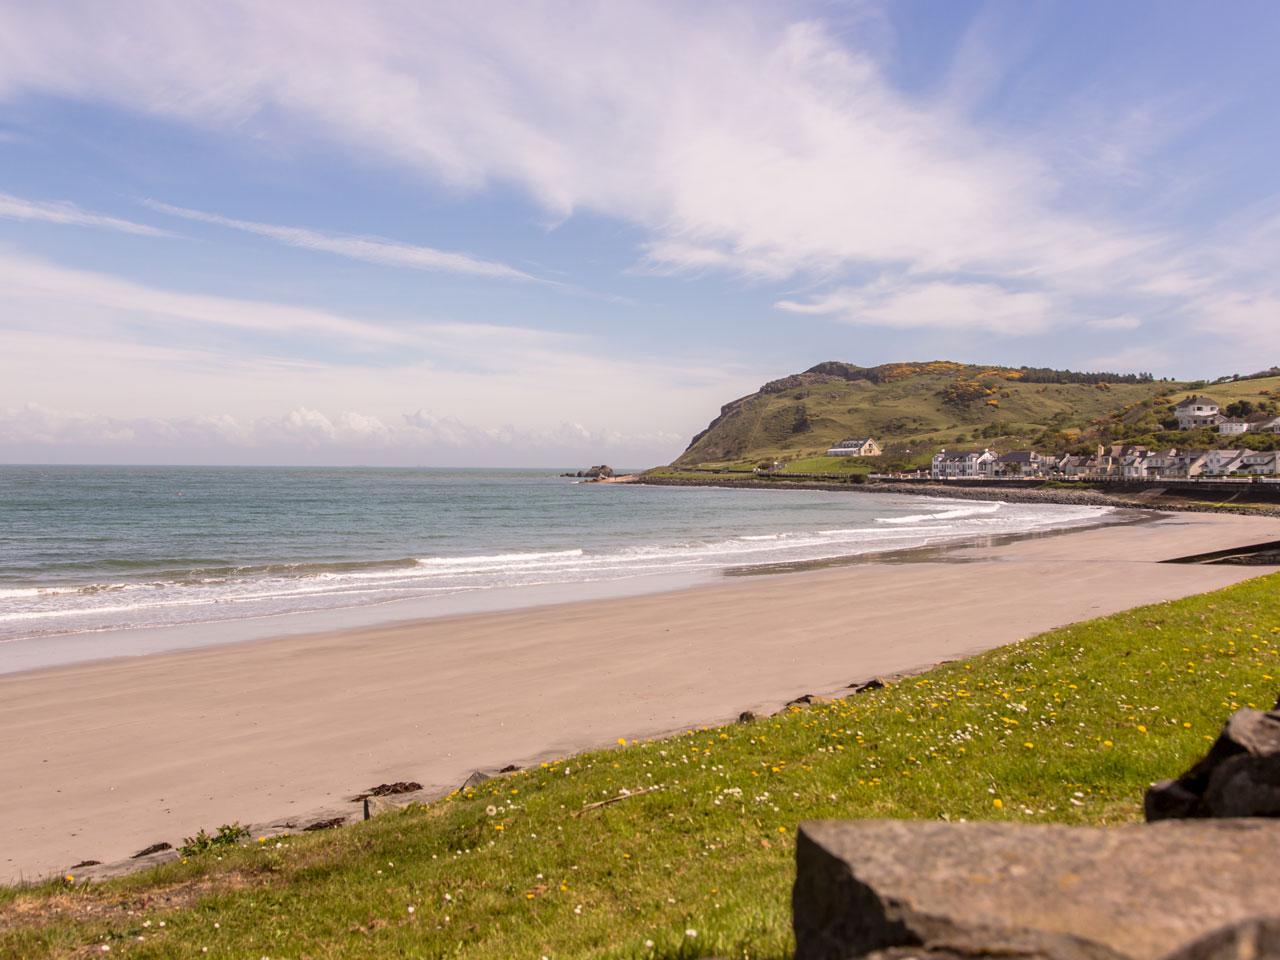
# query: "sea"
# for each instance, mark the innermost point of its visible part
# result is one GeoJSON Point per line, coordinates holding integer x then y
{"type": "Point", "coordinates": [104, 553]}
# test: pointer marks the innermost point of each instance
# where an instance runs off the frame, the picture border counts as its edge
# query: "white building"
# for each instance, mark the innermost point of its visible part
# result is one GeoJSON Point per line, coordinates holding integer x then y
{"type": "Point", "coordinates": [1221, 463]}
{"type": "Point", "coordinates": [964, 464]}
{"type": "Point", "coordinates": [1231, 428]}
{"type": "Point", "coordinates": [1197, 411]}
{"type": "Point", "coordinates": [866, 447]}
{"type": "Point", "coordinates": [1261, 464]}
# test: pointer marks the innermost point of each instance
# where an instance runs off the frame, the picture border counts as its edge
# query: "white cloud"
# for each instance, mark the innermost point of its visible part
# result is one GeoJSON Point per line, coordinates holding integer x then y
{"type": "Point", "coordinates": [937, 304]}
{"type": "Point", "coordinates": [377, 250]}
{"type": "Point", "coordinates": [305, 434]}
{"type": "Point", "coordinates": [78, 340]}
{"type": "Point", "coordinates": [17, 208]}
{"type": "Point", "coordinates": [1123, 321]}
{"type": "Point", "coordinates": [760, 144]}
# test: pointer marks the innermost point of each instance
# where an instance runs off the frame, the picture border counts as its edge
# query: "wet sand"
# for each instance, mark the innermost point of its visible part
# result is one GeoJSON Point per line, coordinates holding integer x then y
{"type": "Point", "coordinates": [99, 760]}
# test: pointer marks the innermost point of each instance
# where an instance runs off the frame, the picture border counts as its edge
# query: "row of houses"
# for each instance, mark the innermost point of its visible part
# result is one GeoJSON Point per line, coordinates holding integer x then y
{"type": "Point", "coordinates": [1116, 462]}
{"type": "Point", "coordinates": [1201, 411]}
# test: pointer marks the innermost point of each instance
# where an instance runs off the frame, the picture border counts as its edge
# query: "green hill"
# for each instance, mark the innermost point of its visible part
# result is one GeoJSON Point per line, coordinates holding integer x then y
{"type": "Point", "coordinates": [913, 409]}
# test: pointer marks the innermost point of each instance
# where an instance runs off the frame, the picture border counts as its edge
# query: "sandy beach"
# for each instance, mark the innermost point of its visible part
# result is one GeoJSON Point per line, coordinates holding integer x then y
{"type": "Point", "coordinates": [99, 760]}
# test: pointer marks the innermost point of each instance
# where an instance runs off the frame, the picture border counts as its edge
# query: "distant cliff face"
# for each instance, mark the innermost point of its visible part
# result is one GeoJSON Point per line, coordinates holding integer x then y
{"type": "Point", "coordinates": [914, 407]}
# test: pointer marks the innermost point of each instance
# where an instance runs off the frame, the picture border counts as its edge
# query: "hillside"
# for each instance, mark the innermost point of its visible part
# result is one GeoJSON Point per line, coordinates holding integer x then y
{"type": "Point", "coordinates": [915, 408]}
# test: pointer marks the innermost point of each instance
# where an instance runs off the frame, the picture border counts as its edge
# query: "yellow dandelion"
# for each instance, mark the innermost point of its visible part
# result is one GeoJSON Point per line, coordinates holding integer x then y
{"type": "Point", "coordinates": [998, 803]}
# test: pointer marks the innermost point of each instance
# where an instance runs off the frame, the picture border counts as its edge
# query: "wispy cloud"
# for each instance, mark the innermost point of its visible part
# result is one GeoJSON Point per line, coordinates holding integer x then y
{"type": "Point", "coordinates": [379, 250]}
{"type": "Point", "coordinates": [1124, 321]}
{"type": "Point", "coordinates": [18, 208]}
{"type": "Point", "coordinates": [133, 353]}
{"type": "Point", "coordinates": [935, 304]}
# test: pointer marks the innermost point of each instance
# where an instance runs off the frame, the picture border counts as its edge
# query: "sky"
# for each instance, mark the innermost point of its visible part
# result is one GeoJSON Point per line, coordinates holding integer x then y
{"type": "Point", "coordinates": [559, 234]}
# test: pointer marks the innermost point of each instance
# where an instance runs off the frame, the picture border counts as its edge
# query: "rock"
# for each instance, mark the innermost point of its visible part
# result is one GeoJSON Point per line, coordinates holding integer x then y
{"type": "Point", "coordinates": [1255, 939]}
{"type": "Point", "coordinates": [1169, 800]}
{"type": "Point", "coordinates": [875, 683]}
{"type": "Point", "coordinates": [1244, 786]}
{"type": "Point", "coordinates": [475, 780]}
{"type": "Point", "coordinates": [1028, 890]}
{"type": "Point", "coordinates": [1248, 734]}
{"type": "Point", "coordinates": [388, 789]}
{"type": "Point", "coordinates": [746, 716]}
{"type": "Point", "coordinates": [154, 848]}
{"type": "Point", "coordinates": [86, 863]}
{"type": "Point", "coordinates": [509, 768]}
{"type": "Point", "coordinates": [377, 806]}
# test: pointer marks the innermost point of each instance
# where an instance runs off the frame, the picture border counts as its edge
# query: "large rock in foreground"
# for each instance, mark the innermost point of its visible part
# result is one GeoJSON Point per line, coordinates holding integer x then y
{"type": "Point", "coordinates": [1238, 777]}
{"type": "Point", "coordinates": [1025, 890]}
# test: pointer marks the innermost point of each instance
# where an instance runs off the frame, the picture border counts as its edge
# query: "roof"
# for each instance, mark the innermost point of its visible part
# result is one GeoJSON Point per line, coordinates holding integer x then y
{"type": "Point", "coordinates": [1019, 456]}
{"type": "Point", "coordinates": [1198, 399]}
{"type": "Point", "coordinates": [961, 454]}
{"type": "Point", "coordinates": [853, 443]}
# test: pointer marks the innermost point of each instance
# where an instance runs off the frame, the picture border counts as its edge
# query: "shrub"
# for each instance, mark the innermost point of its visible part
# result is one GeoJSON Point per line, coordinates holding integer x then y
{"type": "Point", "coordinates": [228, 835]}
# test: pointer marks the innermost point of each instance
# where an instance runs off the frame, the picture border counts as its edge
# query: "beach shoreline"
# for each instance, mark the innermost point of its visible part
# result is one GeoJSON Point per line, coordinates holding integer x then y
{"type": "Point", "coordinates": [115, 755]}
{"type": "Point", "coordinates": [1086, 496]}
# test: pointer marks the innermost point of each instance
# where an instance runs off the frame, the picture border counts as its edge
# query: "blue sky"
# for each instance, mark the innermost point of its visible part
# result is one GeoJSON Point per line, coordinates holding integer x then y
{"type": "Point", "coordinates": [559, 233]}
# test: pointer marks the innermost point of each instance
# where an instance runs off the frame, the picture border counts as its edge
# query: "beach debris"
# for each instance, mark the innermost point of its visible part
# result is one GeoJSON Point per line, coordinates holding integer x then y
{"type": "Point", "coordinates": [1238, 777]}
{"type": "Point", "coordinates": [388, 789]}
{"type": "Point", "coordinates": [154, 848]}
{"type": "Point", "coordinates": [85, 863]}
{"type": "Point", "coordinates": [875, 683]}
{"type": "Point", "coordinates": [327, 824]}
{"type": "Point", "coordinates": [509, 768]}
{"type": "Point", "coordinates": [1050, 892]}
{"type": "Point", "coordinates": [623, 794]}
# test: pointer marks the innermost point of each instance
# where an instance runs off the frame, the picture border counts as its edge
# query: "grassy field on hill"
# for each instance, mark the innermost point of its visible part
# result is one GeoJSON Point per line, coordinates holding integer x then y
{"type": "Point", "coordinates": [915, 409]}
{"type": "Point", "coordinates": [696, 861]}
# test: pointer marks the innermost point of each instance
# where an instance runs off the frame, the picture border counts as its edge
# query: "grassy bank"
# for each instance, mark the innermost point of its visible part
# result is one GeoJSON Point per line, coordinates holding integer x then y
{"type": "Point", "coordinates": [697, 860]}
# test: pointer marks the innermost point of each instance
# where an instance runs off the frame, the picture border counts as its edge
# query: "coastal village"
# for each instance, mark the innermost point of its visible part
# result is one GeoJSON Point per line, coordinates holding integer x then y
{"type": "Point", "coordinates": [1125, 462]}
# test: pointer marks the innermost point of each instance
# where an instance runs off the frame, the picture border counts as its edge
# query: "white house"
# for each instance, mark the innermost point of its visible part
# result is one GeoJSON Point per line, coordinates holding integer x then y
{"type": "Point", "coordinates": [1271, 425]}
{"type": "Point", "coordinates": [856, 448]}
{"type": "Point", "coordinates": [1197, 411]}
{"type": "Point", "coordinates": [1220, 463]}
{"type": "Point", "coordinates": [1261, 464]}
{"type": "Point", "coordinates": [1231, 428]}
{"type": "Point", "coordinates": [950, 464]}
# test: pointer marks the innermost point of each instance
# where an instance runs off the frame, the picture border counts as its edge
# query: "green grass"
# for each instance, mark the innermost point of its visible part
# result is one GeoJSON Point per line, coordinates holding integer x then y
{"type": "Point", "coordinates": [1068, 727]}
{"type": "Point", "coordinates": [837, 466]}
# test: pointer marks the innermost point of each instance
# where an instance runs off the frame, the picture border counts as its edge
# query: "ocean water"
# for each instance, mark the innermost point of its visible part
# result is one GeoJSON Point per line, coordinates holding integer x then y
{"type": "Point", "coordinates": [88, 550]}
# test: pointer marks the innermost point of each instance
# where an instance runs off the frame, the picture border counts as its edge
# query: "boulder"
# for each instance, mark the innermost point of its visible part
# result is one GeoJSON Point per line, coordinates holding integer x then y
{"type": "Point", "coordinates": [746, 716]}
{"type": "Point", "coordinates": [1240, 772]}
{"type": "Point", "coordinates": [933, 890]}
{"type": "Point", "coordinates": [477, 778]}
{"type": "Point", "coordinates": [377, 806]}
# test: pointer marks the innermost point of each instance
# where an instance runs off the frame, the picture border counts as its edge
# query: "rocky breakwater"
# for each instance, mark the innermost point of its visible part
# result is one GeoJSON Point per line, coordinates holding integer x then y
{"type": "Point", "coordinates": [1202, 883]}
